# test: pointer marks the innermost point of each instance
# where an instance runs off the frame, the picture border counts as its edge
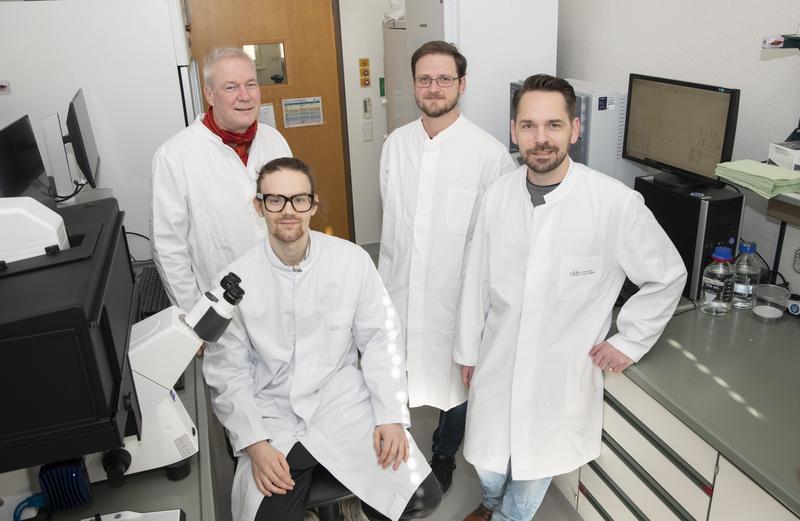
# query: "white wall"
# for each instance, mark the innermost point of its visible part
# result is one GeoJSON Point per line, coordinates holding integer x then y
{"type": "Point", "coordinates": [122, 55]}
{"type": "Point", "coordinates": [503, 41]}
{"type": "Point", "coordinates": [362, 37]}
{"type": "Point", "coordinates": [709, 41]}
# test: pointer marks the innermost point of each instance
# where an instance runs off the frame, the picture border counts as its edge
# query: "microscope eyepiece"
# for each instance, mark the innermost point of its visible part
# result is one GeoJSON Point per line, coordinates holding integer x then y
{"type": "Point", "coordinates": [233, 295]}
{"type": "Point", "coordinates": [231, 279]}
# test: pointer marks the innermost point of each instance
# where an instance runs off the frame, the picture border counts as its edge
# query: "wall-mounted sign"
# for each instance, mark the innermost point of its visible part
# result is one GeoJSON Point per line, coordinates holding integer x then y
{"type": "Point", "coordinates": [302, 112]}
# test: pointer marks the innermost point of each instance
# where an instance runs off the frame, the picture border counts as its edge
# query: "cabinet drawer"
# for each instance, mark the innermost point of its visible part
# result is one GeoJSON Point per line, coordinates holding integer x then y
{"type": "Point", "coordinates": [675, 434]}
{"type": "Point", "coordinates": [587, 509]}
{"type": "Point", "coordinates": [684, 490]}
{"type": "Point", "coordinates": [738, 497]}
{"type": "Point", "coordinates": [604, 496]}
{"type": "Point", "coordinates": [635, 486]}
{"type": "Point", "coordinates": [567, 484]}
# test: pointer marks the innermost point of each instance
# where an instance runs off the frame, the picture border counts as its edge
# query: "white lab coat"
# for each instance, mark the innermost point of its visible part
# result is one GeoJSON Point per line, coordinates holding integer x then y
{"type": "Point", "coordinates": [431, 189]}
{"type": "Point", "coordinates": [202, 216]}
{"type": "Point", "coordinates": [286, 370]}
{"type": "Point", "coordinates": [539, 288]}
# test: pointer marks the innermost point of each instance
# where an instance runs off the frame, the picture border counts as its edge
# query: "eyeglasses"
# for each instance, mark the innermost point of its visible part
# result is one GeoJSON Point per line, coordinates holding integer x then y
{"type": "Point", "coordinates": [442, 81]}
{"type": "Point", "coordinates": [276, 202]}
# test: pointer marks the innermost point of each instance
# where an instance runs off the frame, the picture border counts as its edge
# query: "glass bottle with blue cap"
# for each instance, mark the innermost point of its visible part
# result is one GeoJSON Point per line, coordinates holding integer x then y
{"type": "Point", "coordinates": [718, 283]}
{"type": "Point", "coordinates": [746, 275]}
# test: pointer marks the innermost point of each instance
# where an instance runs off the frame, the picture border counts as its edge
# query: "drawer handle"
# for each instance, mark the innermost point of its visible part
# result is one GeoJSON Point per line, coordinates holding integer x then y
{"type": "Point", "coordinates": [592, 501]}
{"type": "Point", "coordinates": [605, 478]}
{"type": "Point", "coordinates": [663, 448]}
{"type": "Point", "coordinates": [646, 478]}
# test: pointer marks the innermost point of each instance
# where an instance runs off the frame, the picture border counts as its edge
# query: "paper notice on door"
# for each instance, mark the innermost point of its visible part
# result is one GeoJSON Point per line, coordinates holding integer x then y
{"type": "Point", "coordinates": [266, 115]}
{"type": "Point", "coordinates": [302, 112]}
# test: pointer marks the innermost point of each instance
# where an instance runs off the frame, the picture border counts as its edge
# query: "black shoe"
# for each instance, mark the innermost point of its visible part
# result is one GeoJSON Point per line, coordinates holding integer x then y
{"type": "Point", "coordinates": [443, 467]}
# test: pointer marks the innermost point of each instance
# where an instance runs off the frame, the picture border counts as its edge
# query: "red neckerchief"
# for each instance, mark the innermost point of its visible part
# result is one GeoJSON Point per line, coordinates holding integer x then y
{"type": "Point", "coordinates": [240, 143]}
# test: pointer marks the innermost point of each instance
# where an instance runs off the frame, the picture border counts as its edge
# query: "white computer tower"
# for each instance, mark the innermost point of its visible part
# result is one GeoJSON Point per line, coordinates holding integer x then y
{"type": "Point", "coordinates": [601, 110]}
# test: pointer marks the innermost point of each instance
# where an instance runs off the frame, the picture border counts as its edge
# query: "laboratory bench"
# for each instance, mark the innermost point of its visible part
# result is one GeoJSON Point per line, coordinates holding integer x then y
{"type": "Point", "coordinates": [705, 427]}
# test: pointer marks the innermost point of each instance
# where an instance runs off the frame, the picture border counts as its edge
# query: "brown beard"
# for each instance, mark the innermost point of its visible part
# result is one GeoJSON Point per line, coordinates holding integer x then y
{"type": "Point", "coordinates": [545, 168]}
{"type": "Point", "coordinates": [440, 112]}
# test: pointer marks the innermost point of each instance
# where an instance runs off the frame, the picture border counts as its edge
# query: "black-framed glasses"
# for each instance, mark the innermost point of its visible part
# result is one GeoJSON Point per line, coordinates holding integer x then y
{"type": "Point", "coordinates": [442, 81]}
{"type": "Point", "coordinates": [276, 202]}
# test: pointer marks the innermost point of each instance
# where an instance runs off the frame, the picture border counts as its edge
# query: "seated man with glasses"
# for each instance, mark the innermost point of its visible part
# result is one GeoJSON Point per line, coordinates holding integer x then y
{"type": "Point", "coordinates": [285, 377]}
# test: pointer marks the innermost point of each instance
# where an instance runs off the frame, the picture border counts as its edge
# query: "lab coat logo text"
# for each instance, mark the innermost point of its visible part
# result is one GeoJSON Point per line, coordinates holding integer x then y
{"type": "Point", "coordinates": [339, 327]}
{"type": "Point", "coordinates": [580, 273]}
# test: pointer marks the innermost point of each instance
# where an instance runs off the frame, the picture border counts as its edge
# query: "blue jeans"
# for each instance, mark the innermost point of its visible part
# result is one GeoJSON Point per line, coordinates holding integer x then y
{"type": "Point", "coordinates": [511, 499]}
{"type": "Point", "coordinates": [450, 433]}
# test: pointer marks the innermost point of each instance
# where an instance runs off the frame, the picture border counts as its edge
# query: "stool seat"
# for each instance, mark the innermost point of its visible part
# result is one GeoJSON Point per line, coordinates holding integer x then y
{"type": "Point", "coordinates": [325, 494]}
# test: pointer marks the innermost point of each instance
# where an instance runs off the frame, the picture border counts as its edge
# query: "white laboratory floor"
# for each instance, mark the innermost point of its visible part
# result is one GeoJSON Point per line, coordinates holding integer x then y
{"type": "Point", "coordinates": [465, 494]}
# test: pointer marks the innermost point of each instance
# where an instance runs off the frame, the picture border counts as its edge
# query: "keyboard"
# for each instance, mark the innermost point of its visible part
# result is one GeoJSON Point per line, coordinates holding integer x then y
{"type": "Point", "coordinates": [152, 297]}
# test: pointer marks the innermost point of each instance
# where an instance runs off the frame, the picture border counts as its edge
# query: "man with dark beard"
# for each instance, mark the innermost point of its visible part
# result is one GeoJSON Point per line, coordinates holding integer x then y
{"type": "Point", "coordinates": [433, 173]}
{"type": "Point", "coordinates": [553, 243]}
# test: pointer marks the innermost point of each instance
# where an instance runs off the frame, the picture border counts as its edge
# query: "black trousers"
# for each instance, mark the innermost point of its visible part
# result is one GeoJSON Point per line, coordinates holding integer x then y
{"type": "Point", "coordinates": [291, 506]}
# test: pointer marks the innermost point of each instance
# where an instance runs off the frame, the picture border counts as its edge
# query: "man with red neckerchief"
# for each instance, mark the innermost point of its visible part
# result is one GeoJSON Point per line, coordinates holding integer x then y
{"type": "Point", "coordinates": [203, 181]}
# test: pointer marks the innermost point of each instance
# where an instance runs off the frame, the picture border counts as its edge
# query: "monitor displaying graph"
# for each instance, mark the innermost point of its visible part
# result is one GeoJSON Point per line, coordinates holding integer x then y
{"type": "Point", "coordinates": [679, 127]}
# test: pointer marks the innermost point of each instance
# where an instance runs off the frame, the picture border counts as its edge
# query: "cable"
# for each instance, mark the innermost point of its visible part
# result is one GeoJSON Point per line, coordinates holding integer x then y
{"type": "Point", "coordinates": [137, 234]}
{"type": "Point", "coordinates": [767, 276]}
{"type": "Point", "coordinates": [20, 508]}
{"type": "Point", "coordinates": [143, 237]}
{"type": "Point", "coordinates": [34, 501]}
{"type": "Point", "coordinates": [78, 188]}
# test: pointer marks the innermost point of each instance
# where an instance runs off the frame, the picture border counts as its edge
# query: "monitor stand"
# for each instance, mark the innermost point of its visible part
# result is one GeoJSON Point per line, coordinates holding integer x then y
{"type": "Point", "coordinates": [676, 181]}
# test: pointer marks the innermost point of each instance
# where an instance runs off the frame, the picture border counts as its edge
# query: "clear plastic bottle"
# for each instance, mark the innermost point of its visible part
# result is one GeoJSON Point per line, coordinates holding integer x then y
{"type": "Point", "coordinates": [718, 283]}
{"type": "Point", "coordinates": [746, 272]}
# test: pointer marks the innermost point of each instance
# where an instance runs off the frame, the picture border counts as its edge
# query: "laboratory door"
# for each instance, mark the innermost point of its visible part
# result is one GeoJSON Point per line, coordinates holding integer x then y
{"type": "Point", "coordinates": [296, 47]}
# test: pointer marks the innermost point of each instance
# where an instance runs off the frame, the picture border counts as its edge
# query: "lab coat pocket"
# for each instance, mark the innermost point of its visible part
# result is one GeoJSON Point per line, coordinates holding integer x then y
{"type": "Point", "coordinates": [583, 383]}
{"type": "Point", "coordinates": [459, 209]}
{"type": "Point", "coordinates": [579, 277]}
{"type": "Point", "coordinates": [338, 332]}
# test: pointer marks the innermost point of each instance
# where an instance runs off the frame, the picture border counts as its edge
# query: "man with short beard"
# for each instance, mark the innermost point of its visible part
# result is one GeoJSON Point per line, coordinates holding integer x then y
{"type": "Point", "coordinates": [554, 241]}
{"type": "Point", "coordinates": [433, 173]}
{"type": "Point", "coordinates": [311, 371]}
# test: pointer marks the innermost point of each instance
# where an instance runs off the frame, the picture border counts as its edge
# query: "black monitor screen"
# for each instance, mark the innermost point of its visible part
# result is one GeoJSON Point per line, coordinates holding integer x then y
{"type": "Point", "coordinates": [679, 127]}
{"type": "Point", "coordinates": [82, 138]}
{"type": "Point", "coordinates": [22, 171]}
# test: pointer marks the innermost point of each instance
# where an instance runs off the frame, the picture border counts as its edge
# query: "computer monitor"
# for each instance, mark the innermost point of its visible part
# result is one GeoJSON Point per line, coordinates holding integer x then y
{"type": "Point", "coordinates": [82, 138]}
{"type": "Point", "coordinates": [678, 127]}
{"type": "Point", "coordinates": [22, 171]}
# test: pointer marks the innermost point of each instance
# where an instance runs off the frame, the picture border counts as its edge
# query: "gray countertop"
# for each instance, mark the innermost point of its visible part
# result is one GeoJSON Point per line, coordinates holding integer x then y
{"type": "Point", "coordinates": [735, 381]}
